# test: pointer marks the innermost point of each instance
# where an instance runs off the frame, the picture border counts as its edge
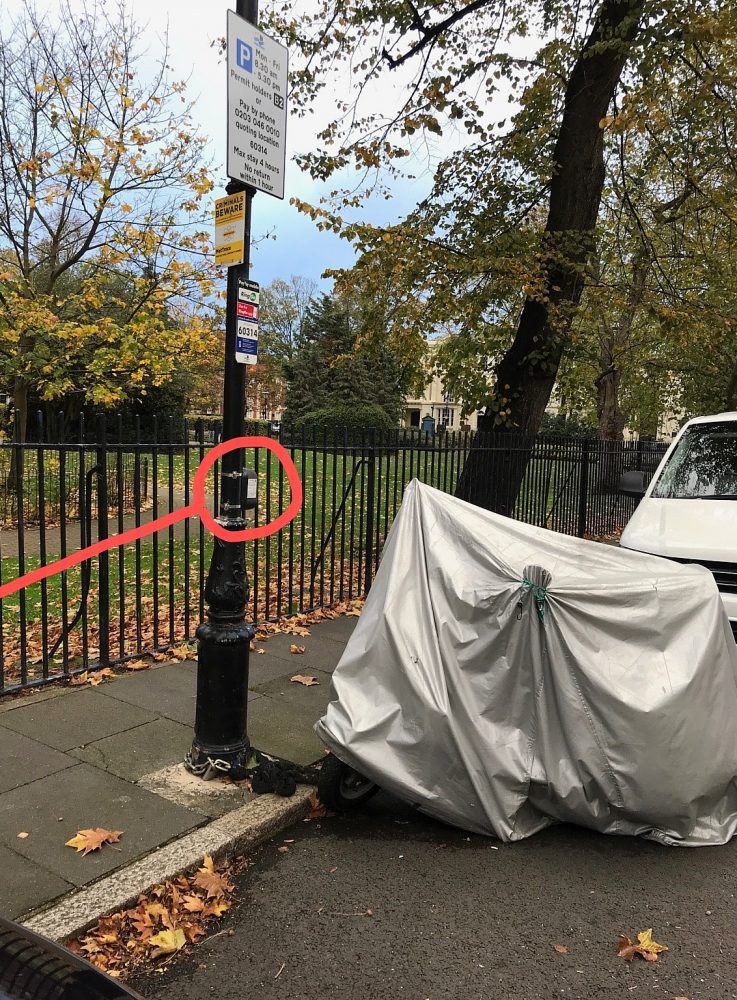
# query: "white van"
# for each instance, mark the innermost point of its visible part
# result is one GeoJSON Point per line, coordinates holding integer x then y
{"type": "Point", "coordinates": [689, 510]}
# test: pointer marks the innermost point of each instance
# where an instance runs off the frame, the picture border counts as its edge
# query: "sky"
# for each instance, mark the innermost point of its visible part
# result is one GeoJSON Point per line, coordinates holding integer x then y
{"type": "Point", "coordinates": [297, 246]}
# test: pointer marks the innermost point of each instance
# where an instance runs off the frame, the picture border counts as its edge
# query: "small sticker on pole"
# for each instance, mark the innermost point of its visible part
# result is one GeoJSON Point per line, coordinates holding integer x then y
{"type": "Point", "coordinates": [247, 310]}
{"type": "Point", "coordinates": [230, 229]}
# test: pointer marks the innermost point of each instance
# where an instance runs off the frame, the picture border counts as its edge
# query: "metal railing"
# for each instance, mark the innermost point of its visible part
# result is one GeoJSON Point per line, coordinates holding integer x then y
{"type": "Point", "coordinates": [148, 597]}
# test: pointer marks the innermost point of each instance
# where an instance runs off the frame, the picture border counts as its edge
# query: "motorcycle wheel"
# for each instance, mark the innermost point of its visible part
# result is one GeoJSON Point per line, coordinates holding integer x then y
{"type": "Point", "coordinates": [340, 788]}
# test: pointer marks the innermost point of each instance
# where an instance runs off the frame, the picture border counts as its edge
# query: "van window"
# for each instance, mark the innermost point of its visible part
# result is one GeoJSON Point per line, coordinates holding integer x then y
{"type": "Point", "coordinates": [703, 464]}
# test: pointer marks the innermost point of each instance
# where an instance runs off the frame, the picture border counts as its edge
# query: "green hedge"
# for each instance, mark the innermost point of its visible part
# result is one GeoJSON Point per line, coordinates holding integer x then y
{"type": "Point", "coordinates": [358, 417]}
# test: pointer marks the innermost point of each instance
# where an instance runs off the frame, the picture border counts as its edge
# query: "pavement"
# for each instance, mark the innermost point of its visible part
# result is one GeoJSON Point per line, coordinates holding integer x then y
{"type": "Point", "coordinates": [384, 903]}
{"type": "Point", "coordinates": [75, 758]}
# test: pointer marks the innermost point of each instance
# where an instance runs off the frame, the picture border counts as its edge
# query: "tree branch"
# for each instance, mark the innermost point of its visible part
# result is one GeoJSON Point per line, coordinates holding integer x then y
{"type": "Point", "coordinates": [430, 32]}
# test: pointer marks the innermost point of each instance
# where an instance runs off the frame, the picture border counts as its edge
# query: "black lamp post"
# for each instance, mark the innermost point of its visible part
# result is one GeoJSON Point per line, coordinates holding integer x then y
{"type": "Point", "coordinates": [223, 641]}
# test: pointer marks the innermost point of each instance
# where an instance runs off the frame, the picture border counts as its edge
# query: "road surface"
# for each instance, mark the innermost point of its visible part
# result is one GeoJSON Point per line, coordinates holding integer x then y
{"type": "Point", "coordinates": [384, 904]}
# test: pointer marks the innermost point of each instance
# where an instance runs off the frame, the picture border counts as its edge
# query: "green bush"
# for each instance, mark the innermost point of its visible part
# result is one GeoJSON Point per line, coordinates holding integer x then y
{"type": "Point", "coordinates": [355, 418]}
{"type": "Point", "coordinates": [358, 416]}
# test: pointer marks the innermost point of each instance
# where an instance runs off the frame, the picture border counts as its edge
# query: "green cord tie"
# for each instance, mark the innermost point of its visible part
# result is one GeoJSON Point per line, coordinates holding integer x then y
{"type": "Point", "coordinates": [539, 593]}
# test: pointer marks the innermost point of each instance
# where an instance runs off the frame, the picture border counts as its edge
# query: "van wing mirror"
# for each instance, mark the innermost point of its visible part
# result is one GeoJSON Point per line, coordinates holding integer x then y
{"type": "Point", "coordinates": [632, 484]}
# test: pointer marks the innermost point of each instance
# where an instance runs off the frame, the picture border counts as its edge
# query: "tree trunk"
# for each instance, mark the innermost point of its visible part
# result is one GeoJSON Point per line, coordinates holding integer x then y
{"type": "Point", "coordinates": [730, 402]}
{"type": "Point", "coordinates": [526, 374]}
{"type": "Point", "coordinates": [608, 411]}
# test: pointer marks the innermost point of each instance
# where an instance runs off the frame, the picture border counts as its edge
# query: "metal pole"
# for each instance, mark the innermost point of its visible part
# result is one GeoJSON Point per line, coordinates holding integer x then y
{"type": "Point", "coordinates": [368, 567]}
{"type": "Point", "coordinates": [583, 486]}
{"type": "Point", "coordinates": [103, 531]}
{"type": "Point", "coordinates": [223, 641]}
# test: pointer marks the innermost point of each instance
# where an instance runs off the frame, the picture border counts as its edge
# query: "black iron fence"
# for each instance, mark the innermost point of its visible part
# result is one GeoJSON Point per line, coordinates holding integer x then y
{"type": "Point", "coordinates": [148, 597]}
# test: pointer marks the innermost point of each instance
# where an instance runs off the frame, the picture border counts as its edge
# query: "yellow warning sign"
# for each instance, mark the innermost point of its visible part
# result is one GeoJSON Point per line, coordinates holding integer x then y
{"type": "Point", "coordinates": [230, 228]}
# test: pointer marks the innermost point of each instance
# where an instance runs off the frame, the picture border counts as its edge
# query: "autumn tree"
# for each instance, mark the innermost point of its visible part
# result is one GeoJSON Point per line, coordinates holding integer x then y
{"type": "Point", "coordinates": [656, 329]}
{"type": "Point", "coordinates": [103, 238]}
{"type": "Point", "coordinates": [282, 315]}
{"type": "Point", "coordinates": [514, 103]}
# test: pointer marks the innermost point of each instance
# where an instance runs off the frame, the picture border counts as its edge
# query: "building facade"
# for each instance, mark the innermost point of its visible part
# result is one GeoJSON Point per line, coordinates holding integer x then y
{"type": "Point", "coordinates": [435, 402]}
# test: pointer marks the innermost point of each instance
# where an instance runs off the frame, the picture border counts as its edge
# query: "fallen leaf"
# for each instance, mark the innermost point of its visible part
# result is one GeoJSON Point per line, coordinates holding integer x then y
{"type": "Point", "coordinates": [143, 924]}
{"type": "Point", "coordinates": [317, 809]}
{"type": "Point", "coordinates": [92, 840]}
{"type": "Point", "coordinates": [646, 948]}
{"type": "Point", "coordinates": [194, 931]}
{"type": "Point", "coordinates": [333, 870]}
{"type": "Point", "coordinates": [185, 652]}
{"type": "Point", "coordinates": [305, 679]}
{"type": "Point", "coordinates": [158, 912]}
{"type": "Point", "coordinates": [561, 949]}
{"type": "Point", "coordinates": [167, 942]}
{"type": "Point", "coordinates": [98, 676]}
{"type": "Point", "coordinates": [283, 850]}
{"type": "Point", "coordinates": [22, 835]}
{"type": "Point", "coordinates": [193, 904]}
{"type": "Point", "coordinates": [79, 679]}
{"type": "Point", "coordinates": [211, 881]}
{"type": "Point", "coordinates": [217, 908]}
{"type": "Point", "coordinates": [294, 648]}
{"type": "Point", "coordinates": [645, 939]}
{"type": "Point", "coordinates": [626, 948]}
{"type": "Point", "coordinates": [137, 665]}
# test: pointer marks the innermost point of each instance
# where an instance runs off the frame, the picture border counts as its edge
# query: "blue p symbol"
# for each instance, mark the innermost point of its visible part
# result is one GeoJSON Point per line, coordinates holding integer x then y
{"type": "Point", "coordinates": [244, 56]}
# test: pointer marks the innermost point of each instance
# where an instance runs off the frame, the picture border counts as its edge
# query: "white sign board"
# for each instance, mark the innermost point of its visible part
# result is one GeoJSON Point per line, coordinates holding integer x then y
{"type": "Point", "coordinates": [257, 107]}
{"type": "Point", "coordinates": [246, 336]}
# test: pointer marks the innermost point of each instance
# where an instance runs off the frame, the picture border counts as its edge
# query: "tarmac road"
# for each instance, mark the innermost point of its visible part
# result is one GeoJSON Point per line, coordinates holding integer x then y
{"type": "Point", "coordinates": [459, 917]}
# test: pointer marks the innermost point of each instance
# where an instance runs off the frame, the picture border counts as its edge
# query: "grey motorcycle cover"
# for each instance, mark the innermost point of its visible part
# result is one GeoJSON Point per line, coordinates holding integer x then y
{"type": "Point", "coordinates": [504, 677]}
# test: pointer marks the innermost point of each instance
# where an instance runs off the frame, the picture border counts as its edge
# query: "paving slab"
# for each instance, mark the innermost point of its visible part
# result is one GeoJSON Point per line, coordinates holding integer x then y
{"type": "Point", "coordinates": [310, 701]}
{"type": "Point", "coordinates": [76, 720]}
{"type": "Point", "coordinates": [321, 652]}
{"type": "Point", "coordinates": [169, 690]}
{"type": "Point", "coordinates": [264, 667]}
{"type": "Point", "coordinates": [138, 751]}
{"type": "Point", "coordinates": [280, 728]}
{"type": "Point", "coordinates": [25, 885]}
{"type": "Point", "coordinates": [340, 629]}
{"type": "Point", "coordinates": [52, 809]}
{"type": "Point", "coordinates": [24, 759]}
{"type": "Point", "coordinates": [36, 695]}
